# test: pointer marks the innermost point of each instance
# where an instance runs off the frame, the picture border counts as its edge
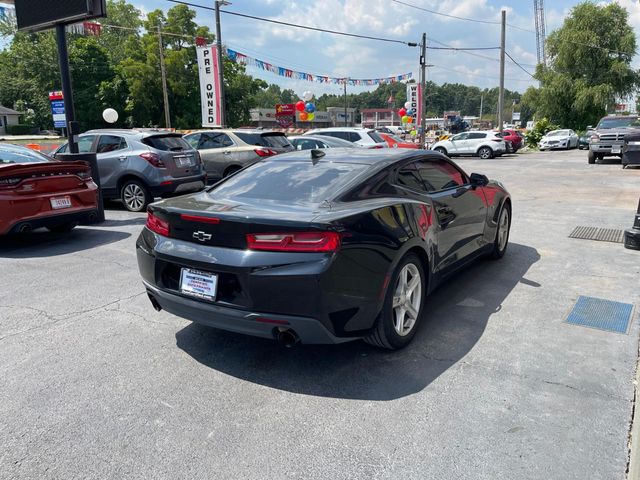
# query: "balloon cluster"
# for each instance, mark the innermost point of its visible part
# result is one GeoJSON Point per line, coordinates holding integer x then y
{"type": "Point", "coordinates": [306, 107]}
{"type": "Point", "coordinates": [406, 113]}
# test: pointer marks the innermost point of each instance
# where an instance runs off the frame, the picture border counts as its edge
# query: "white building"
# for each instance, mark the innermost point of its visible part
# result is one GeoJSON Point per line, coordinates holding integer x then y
{"type": "Point", "coordinates": [8, 117]}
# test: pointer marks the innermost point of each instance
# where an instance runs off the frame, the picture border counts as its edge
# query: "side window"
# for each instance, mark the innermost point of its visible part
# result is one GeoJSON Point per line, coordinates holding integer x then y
{"type": "Point", "coordinates": [342, 135]}
{"type": "Point", "coordinates": [331, 134]}
{"type": "Point", "coordinates": [460, 136]}
{"type": "Point", "coordinates": [63, 148]}
{"type": "Point", "coordinates": [478, 135]}
{"type": "Point", "coordinates": [439, 175]}
{"type": "Point", "coordinates": [110, 143]}
{"type": "Point", "coordinates": [209, 140]}
{"type": "Point", "coordinates": [306, 144]}
{"type": "Point", "coordinates": [193, 140]}
{"type": "Point", "coordinates": [225, 141]}
{"type": "Point", "coordinates": [85, 143]}
{"type": "Point", "coordinates": [408, 178]}
{"type": "Point", "coordinates": [354, 137]}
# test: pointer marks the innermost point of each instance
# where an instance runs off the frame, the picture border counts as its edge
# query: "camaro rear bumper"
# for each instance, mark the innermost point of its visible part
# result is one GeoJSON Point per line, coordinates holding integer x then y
{"type": "Point", "coordinates": [266, 325]}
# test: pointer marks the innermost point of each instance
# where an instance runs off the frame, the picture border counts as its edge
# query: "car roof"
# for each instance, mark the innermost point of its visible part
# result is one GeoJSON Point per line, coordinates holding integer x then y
{"type": "Point", "coordinates": [341, 129]}
{"type": "Point", "coordinates": [137, 132]}
{"type": "Point", "coordinates": [379, 157]}
{"type": "Point", "coordinates": [235, 130]}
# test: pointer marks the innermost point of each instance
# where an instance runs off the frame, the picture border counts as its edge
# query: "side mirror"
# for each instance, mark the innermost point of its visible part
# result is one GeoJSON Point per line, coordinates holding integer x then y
{"type": "Point", "coordinates": [478, 180]}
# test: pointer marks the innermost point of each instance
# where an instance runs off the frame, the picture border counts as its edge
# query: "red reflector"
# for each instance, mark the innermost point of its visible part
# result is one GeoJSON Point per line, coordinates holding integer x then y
{"type": "Point", "coordinates": [168, 182]}
{"type": "Point", "coordinates": [197, 218]}
{"type": "Point", "coordinates": [154, 224]}
{"type": "Point", "coordinates": [272, 320]}
{"type": "Point", "coordinates": [294, 242]}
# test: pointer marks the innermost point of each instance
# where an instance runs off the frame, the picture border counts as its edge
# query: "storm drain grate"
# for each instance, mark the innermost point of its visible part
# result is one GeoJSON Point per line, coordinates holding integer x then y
{"type": "Point", "coordinates": [596, 233]}
{"type": "Point", "coordinates": [601, 314]}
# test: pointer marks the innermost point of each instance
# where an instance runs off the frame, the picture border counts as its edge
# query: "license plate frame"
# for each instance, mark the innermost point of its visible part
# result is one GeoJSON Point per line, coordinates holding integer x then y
{"type": "Point", "coordinates": [198, 284]}
{"type": "Point", "coordinates": [616, 149]}
{"type": "Point", "coordinates": [58, 203]}
{"type": "Point", "coordinates": [184, 162]}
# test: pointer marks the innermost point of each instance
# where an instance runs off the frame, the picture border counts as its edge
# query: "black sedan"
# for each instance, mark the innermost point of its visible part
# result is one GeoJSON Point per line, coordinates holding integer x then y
{"type": "Point", "coordinates": [322, 246]}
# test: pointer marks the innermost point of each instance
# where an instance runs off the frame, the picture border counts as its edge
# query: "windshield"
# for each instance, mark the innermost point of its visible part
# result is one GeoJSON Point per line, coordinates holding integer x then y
{"type": "Point", "coordinates": [607, 123]}
{"type": "Point", "coordinates": [558, 133]}
{"type": "Point", "coordinates": [16, 154]}
{"type": "Point", "coordinates": [167, 143]}
{"type": "Point", "coordinates": [288, 182]}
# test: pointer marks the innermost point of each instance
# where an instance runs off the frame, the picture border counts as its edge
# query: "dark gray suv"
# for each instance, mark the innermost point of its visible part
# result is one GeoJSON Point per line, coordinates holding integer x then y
{"type": "Point", "coordinates": [136, 166]}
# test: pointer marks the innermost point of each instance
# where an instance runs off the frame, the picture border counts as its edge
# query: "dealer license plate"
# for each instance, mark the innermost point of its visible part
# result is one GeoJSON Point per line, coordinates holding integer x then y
{"type": "Point", "coordinates": [616, 149]}
{"type": "Point", "coordinates": [183, 162]}
{"type": "Point", "coordinates": [198, 284]}
{"type": "Point", "coordinates": [60, 202]}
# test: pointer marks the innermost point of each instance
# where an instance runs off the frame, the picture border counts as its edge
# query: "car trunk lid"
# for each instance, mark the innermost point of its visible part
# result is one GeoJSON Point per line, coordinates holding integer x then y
{"type": "Point", "coordinates": [45, 177]}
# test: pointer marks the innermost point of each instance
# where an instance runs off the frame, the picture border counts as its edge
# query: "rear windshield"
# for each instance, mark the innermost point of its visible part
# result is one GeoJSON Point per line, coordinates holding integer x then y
{"type": "Point", "coordinates": [167, 143]}
{"type": "Point", "coordinates": [606, 123]}
{"type": "Point", "coordinates": [264, 139]}
{"type": "Point", "coordinates": [376, 138]}
{"type": "Point", "coordinates": [13, 154]}
{"type": "Point", "coordinates": [288, 182]}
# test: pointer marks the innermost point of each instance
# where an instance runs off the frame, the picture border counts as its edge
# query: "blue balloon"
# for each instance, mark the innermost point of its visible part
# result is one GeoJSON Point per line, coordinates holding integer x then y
{"type": "Point", "coordinates": [310, 107]}
{"type": "Point", "coordinates": [409, 112]}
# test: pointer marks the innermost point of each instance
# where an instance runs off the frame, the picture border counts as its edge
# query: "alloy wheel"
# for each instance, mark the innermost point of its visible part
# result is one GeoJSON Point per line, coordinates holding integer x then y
{"type": "Point", "coordinates": [503, 229]}
{"type": "Point", "coordinates": [484, 153]}
{"type": "Point", "coordinates": [134, 197]}
{"type": "Point", "coordinates": [407, 299]}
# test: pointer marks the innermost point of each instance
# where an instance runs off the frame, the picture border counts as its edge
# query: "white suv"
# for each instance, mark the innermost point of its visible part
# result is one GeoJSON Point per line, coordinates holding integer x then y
{"type": "Point", "coordinates": [483, 144]}
{"type": "Point", "coordinates": [365, 137]}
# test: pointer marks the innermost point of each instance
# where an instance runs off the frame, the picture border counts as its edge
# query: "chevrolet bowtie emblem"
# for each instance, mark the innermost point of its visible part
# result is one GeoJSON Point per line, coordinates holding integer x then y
{"type": "Point", "coordinates": [202, 236]}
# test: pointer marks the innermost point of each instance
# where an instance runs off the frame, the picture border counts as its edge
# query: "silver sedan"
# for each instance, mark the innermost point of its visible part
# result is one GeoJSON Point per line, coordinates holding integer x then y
{"type": "Point", "coordinates": [564, 139]}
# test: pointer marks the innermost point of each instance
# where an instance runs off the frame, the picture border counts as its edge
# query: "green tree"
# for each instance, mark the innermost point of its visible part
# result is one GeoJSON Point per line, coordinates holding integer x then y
{"type": "Point", "coordinates": [589, 65]}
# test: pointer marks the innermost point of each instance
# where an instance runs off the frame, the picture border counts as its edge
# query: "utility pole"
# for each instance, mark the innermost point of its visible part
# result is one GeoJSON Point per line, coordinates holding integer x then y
{"type": "Point", "coordinates": [481, 105]}
{"type": "Point", "coordinates": [220, 66]}
{"type": "Point", "coordinates": [67, 91]}
{"type": "Point", "coordinates": [345, 102]}
{"type": "Point", "coordinates": [423, 88]}
{"type": "Point", "coordinates": [165, 94]}
{"type": "Point", "coordinates": [501, 94]}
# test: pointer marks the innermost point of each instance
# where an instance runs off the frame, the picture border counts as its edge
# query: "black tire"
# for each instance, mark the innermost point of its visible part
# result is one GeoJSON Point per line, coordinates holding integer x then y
{"type": "Point", "coordinates": [441, 150]}
{"type": "Point", "coordinates": [591, 157]}
{"type": "Point", "coordinates": [231, 171]}
{"type": "Point", "coordinates": [135, 195]}
{"type": "Point", "coordinates": [63, 227]}
{"type": "Point", "coordinates": [485, 153]}
{"type": "Point", "coordinates": [499, 248]}
{"type": "Point", "coordinates": [384, 333]}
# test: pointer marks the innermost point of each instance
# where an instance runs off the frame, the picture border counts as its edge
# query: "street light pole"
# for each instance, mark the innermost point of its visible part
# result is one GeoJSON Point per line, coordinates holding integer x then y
{"type": "Point", "coordinates": [163, 73]}
{"type": "Point", "coordinates": [345, 103]}
{"type": "Point", "coordinates": [501, 94]}
{"type": "Point", "coordinates": [220, 66]}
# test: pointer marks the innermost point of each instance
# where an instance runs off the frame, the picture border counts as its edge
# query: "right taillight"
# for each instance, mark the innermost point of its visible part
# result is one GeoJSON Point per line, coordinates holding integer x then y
{"type": "Point", "coordinates": [294, 242]}
{"type": "Point", "coordinates": [153, 159]}
{"type": "Point", "coordinates": [157, 225]}
{"type": "Point", "coordinates": [265, 152]}
{"type": "Point", "coordinates": [9, 182]}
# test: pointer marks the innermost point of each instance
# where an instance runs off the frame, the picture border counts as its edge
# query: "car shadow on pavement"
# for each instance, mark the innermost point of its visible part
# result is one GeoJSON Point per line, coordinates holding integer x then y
{"type": "Point", "coordinates": [456, 316]}
{"type": "Point", "coordinates": [42, 243]}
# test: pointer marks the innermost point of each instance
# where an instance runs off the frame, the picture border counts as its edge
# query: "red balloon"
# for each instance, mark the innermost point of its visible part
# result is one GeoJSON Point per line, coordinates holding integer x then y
{"type": "Point", "coordinates": [300, 106]}
{"type": "Point", "coordinates": [402, 112]}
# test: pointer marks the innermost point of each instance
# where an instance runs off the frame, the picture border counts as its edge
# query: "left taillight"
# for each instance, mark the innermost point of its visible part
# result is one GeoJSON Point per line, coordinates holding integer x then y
{"type": "Point", "coordinates": [265, 152]}
{"type": "Point", "coordinates": [294, 242]}
{"type": "Point", "coordinates": [9, 182]}
{"type": "Point", "coordinates": [84, 174]}
{"type": "Point", "coordinates": [157, 225]}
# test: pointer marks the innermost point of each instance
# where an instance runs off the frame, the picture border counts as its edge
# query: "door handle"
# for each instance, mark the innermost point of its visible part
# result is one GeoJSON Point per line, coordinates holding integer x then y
{"type": "Point", "coordinates": [460, 191]}
{"type": "Point", "coordinates": [122, 158]}
{"type": "Point", "coordinates": [226, 152]}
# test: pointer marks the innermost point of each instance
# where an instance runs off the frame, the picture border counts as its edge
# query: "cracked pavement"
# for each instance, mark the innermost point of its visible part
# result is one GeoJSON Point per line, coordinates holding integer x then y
{"type": "Point", "coordinates": [94, 383]}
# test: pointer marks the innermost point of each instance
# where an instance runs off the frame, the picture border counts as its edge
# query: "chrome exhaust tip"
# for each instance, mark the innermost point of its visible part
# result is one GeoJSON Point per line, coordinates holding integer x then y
{"type": "Point", "coordinates": [287, 338]}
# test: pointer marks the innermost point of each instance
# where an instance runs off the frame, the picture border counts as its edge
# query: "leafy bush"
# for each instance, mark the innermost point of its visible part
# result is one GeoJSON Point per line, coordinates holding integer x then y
{"type": "Point", "coordinates": [20, 129]}
{"type": "Point", "coordinates": [541, 127]}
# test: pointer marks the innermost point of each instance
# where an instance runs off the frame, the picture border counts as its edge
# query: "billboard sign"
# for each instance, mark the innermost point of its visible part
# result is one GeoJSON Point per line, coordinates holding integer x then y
{"type": "Point", "coordinates": [285, 114]}
{"type": "Point", "coordinates": [57, 109]}
{"type": "Point", "coordinates": [34, 15]}
{"type": "Point", "coordinates": [210, 95]}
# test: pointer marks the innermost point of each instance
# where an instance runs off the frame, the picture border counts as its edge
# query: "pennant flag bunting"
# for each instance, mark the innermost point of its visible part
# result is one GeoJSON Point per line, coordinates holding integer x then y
{"type": "Point", "coordinates": [243, 59]}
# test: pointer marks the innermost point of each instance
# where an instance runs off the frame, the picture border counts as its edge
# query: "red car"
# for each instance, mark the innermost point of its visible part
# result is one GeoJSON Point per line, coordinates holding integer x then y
{"type": "Point", "coordinates": [396, 142]}
{"type": "Point", "coordinates": [38, 191]}
{"type": "Point", "coordinates": [513, 136]}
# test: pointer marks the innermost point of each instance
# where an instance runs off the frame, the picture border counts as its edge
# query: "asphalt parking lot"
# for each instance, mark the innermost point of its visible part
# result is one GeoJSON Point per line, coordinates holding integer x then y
{"type": "Point", "coordinates": [96, 384]}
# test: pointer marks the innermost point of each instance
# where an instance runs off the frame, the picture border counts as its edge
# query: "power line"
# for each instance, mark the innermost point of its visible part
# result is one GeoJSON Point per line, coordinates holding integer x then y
{"type": "Point", "coordinates": [306, 27]}
{"type": "Point", "coordinates": [489, 22]}
{"type": "Point", "coordinates": [521, 67]}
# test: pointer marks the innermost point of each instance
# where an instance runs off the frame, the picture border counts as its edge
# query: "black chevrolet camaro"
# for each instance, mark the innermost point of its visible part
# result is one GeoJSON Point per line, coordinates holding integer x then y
{"type": "Point", "coordinates": [322, 246]}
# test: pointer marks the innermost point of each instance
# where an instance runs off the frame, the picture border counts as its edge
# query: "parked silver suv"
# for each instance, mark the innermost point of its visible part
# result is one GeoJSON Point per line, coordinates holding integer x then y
{"type": "Point", "coordinates": [225, 151]}
{"type": "Point", "coordinates": [138, 165]}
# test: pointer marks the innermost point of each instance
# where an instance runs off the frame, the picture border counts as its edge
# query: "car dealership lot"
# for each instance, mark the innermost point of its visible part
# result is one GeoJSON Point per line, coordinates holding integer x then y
{"type": "Point", "coordinates": [96, 384]}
